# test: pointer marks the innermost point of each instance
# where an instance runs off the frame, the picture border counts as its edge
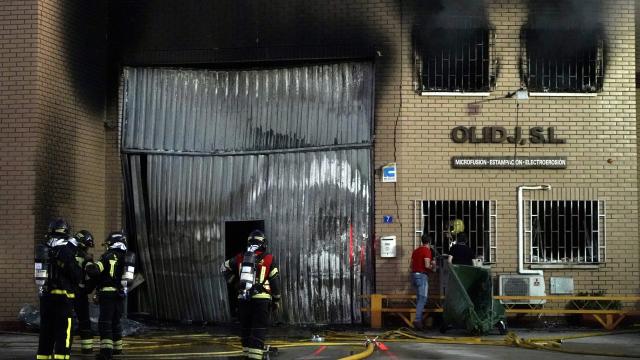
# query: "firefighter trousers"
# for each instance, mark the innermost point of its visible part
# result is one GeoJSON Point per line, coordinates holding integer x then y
{"type": "Point", "coordinates": [81, 307]}
{"type": "Point", "coordinates": [254, 320]}
{"type": "Point", "coordinates": [111, 307]}
{"type": "Point", "coordinates": [55, 327]}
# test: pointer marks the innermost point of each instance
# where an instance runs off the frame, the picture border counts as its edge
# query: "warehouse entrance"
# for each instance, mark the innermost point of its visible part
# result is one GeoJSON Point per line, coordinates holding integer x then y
{"type": "Point", "coordinates": [288, 147]}
{"type": "Point", "coordinates": [235, 241]}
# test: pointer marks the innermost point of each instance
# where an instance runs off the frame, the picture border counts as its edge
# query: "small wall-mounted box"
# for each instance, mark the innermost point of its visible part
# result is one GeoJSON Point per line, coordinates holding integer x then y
{"type": "Point", "coordinates": [388, 246]}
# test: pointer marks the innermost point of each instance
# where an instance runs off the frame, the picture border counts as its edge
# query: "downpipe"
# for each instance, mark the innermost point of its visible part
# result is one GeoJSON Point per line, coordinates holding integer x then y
{"type": "Point", "coordinates": [521, 188]}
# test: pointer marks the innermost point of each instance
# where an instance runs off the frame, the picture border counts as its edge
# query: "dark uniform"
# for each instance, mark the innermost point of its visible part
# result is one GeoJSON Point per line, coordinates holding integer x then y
{"type": "Point", "coordinates": [255, 300]}
{"type": "Point", "coordinates": [86, 286]}
{"type": "Point", "coordinates": [108, 275]}
{"type": "Point", "coordinates": [57, 295]}
{"type": "Point", "coordinates": [461, 253]}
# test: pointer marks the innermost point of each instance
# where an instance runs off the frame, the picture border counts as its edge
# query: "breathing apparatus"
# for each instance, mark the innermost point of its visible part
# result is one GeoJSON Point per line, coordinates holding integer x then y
{"type": "Point", "coordinates": [129, 269]}
{"type": "Point", "coordinates": [255, 242]}
{"type": "Point", "coordinates": [42, 267]}
{"type": "Point", "coordinates": [45, 255]}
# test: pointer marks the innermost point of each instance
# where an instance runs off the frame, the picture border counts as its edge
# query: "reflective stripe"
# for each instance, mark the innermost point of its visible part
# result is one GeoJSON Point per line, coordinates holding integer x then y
{"type": "Point", "coordinates": [61, 357]}
{"type": "Point", "coordinates": [263, 272]}
{"type": "Point", "coordinates": [44, 357]}
{"type": "Point", "coordinates": [273, 272]}
{"type": "Point", "coordinates": [70, 295]}
{"type": "Point", "coordinates": [106, 344]}
{"type": "Point", "coordinates": [261, 296]}
{"type": "Point", "coordinates": [108, 288]}
{"type": "Point", "coordinates": [68, 341]}
{"type": "Point", "coordinates": [86, 343]}
{"type": "Point", "coordinates": [100, 266]}
{"type": "Point", "coordinates": [117, 345]}
{"type": "Point", "coordinates": [112, 266]}
{"type": "Point", "coordinates": [255, 353]}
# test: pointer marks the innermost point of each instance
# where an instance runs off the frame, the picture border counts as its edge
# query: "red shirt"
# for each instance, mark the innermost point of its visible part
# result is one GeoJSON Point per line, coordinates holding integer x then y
{"type": "Point", "coordinates": [417, 259]}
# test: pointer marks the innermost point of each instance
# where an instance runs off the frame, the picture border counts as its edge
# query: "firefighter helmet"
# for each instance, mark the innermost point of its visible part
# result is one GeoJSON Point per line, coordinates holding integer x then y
{"type": "Point", "coordinates": [59, 226]}
{"type": "Point", "coordinates": [456, 227]}
{"type": "Point", "coordinates": [84, 238]}
{"type": "Point", "coordinates": [116, 240]}
{"type": "Point", "coordinates": [257, 238]}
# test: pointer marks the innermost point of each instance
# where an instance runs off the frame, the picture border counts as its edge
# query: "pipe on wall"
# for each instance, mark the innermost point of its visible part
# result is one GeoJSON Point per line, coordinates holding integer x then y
{"type": "Point", "coordinates": [521, 269]}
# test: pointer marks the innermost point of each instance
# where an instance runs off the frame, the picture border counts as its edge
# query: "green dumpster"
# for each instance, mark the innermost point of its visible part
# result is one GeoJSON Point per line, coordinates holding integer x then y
{"type": "Point", "coordinates": [469, 303]}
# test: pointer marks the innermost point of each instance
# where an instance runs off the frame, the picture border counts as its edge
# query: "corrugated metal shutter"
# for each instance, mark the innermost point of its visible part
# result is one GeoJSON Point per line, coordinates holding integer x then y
{"type": "Point", "coordinates": [291, 146]}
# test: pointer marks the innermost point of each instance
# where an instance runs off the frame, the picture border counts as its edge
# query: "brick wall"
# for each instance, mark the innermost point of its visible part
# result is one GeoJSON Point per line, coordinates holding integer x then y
{"type": "Point", "coordinates": [67, 163]}
{"type": "Point", "coordinates": [52, 159]}
{"type": "Point", "coordinates": [596, 128]}
{"type": "Point", "coordinates": [18, 143]}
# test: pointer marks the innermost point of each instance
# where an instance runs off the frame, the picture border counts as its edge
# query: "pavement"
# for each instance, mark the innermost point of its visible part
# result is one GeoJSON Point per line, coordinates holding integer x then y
{"type": "Point", "coordinates": [221, 342]}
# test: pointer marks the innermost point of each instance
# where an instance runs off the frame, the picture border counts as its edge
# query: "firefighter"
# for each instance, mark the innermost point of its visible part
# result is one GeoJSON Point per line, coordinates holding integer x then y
{"type": "Point", "coordinates": [258, 291]}
{"type": "Point", "coordinates": [60, 277]}
{"type": "Point", "coordinates": [108, 273]}
{"type": "Point", "coordinates": [84, 241]}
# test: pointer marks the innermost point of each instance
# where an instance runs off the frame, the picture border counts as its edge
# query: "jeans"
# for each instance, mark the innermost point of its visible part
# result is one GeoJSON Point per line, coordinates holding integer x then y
{"type": "Point", "coordinates": [420, 282]}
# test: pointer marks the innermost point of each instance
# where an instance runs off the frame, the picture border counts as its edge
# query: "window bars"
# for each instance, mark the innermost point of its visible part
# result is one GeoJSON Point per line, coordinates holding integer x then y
{"type": "Point", "coordinates": [566, 232]}
{"type": "Point", "coordinates": [454, 59]}
{"type": "Point", "coordinates": [479, 217]}
{"type": "Point", "coordinates": [562, 60]}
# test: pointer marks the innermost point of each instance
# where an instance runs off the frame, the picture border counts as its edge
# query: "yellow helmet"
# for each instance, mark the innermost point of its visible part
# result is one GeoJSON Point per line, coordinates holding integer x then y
{"type": "Point", "coordinates": [456, 227]}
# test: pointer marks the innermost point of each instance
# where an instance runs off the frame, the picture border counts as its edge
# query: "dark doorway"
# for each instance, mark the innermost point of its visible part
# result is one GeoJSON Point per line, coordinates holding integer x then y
{"type": "Point", "coordinates": [235, 241]}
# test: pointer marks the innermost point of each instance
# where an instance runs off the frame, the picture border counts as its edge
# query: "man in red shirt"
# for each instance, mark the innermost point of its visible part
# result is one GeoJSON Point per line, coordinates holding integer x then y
{"type": "Point", "coordinates": [421, 265]}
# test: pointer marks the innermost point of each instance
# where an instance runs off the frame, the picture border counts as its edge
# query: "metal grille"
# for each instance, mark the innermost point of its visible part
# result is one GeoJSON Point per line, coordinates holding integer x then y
{"type": "Point", "coordinates": [565, 231]}
{"type": "Point", "coordinates": [455, 59]}
{"type": "Point", "coordinates": [479, 217]}
{"type": "Point", "coordinates": [563, 61]}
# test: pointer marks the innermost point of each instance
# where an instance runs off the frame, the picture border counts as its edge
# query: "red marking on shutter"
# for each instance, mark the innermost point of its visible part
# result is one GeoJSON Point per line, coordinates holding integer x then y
{"type": "Point", "coordinates": [351, 244]}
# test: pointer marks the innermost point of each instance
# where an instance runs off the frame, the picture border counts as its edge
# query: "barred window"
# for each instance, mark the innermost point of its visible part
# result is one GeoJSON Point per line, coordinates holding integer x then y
{"type": "Point", "coordinates": [454, 58]}
{"type": "Point", "coordinates": [563, 60]}
{"type": "Point", "coordinates": [566, 232]}
{"type": "Point", "coordinates": [479, 217]}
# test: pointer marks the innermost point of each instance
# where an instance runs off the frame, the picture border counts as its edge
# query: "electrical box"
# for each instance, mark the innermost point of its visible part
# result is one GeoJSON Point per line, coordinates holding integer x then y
{"type": "Point", "coordinates": [561, 285]}
{"type": "Point", "coordinates": [388, 246]}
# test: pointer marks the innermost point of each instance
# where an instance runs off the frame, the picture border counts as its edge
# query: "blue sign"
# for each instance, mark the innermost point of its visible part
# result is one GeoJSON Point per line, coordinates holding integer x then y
{"type": "Point", "coordinates": [388, 219]}
{"type": "Point", "coordinates": [389, 173]}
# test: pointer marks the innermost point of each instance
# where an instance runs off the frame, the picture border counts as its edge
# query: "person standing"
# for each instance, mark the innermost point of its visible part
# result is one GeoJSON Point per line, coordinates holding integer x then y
{"type": "Point", "coordinates": [107, 273]}
{"type": "Point", "coordinates": [258, 290]}
{"type": "Point", "coordinates": [85, 241]}
{"type": "Point", "coordinates": [422, 265]}
{"type": "Point", "coordinates": [57, 293]}
{"type": "Point", "coordinates": [459, 253]}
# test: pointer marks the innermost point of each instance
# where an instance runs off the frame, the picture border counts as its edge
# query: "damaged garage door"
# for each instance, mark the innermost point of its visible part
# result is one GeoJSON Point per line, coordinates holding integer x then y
{"type": "Point", "coordinates": [290, 147]}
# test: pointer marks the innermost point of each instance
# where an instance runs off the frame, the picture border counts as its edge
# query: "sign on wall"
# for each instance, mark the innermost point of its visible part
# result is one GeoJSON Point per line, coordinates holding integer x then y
{"type": "Point", "coordinates": [509, 162]}
{"type": "Point", "coordinates": [499, 134]}
{"type": "Point", "coordinates": [389, 173]}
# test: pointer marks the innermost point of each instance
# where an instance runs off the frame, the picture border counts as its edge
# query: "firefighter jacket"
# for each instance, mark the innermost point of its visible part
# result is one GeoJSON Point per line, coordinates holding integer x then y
{"type": "Point", "coordinates": [267, 284]}
{"type": "Point", "coordinates": [107, 272]}
{"type": "Point", "coordinates": [86, 284]}
{"type": "Point", "coordinates": [65, 272]}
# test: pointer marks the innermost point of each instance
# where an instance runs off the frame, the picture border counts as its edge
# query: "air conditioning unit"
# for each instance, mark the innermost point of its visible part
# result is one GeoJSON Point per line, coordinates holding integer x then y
{"type": "Point", "coordinates": [522, 285]}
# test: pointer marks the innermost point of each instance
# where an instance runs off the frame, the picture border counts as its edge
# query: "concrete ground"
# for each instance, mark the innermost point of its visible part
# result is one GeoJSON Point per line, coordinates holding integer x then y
{"type": "Point", "coordinates": [293, 343]}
